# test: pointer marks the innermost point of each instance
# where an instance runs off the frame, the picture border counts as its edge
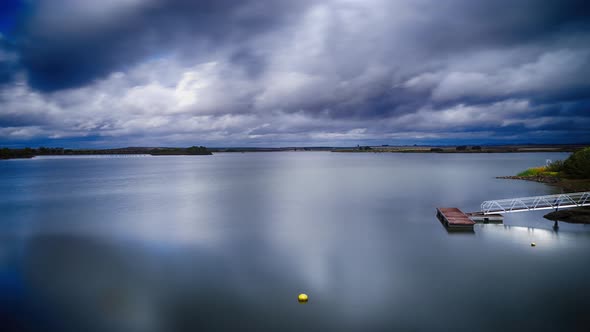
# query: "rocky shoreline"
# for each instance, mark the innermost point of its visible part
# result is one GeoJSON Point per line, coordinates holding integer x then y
{"type": "Point", "coordinates": [568, 185]}
{"type": "Point", "coordinates": [537, 178]}
{"type": "Point", "coordinates": [574, 216]}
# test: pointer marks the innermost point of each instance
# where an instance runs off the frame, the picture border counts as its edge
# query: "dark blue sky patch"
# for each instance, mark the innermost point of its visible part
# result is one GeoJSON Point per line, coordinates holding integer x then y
{"type": "Point", "coordinates": [9, 12]}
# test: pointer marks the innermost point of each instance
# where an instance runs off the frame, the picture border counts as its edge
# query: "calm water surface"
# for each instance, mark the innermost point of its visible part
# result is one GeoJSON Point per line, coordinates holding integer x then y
{"type": "Point", "coordinates": [226, 242]}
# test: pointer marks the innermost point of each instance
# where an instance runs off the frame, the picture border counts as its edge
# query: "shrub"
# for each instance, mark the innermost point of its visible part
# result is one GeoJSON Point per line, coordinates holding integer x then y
{"type": "Point", "coordinates": [555, 166]}
{"type": "Point", "coordinates": [577, 166]}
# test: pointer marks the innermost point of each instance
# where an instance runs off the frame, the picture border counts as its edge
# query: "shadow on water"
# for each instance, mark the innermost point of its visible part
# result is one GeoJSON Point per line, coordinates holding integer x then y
{"type": "Point", "coordinates": [88, 284]}
{"type": "Point", "coordinates": [457, 233]}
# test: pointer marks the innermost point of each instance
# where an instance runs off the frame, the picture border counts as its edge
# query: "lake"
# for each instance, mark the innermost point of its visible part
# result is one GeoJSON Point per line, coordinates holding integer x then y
{"type": "Point", "coordinates": [227, 242]}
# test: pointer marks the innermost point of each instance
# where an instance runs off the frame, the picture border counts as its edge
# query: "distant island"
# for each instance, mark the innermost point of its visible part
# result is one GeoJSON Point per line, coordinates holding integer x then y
{"type": "Point", "coordinates": [6, 153]}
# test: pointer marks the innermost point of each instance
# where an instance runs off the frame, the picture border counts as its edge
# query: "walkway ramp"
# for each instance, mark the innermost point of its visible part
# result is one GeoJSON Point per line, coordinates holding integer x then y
{"type": "Point", "coordinates": [547, 202]}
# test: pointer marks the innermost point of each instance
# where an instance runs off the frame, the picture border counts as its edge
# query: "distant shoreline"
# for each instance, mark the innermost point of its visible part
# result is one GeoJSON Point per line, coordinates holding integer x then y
{"type": "Point", "coordinates": [568, 185]}
{"type": "Point", "coordinates": [159, 151]}
{"type": "Point", "coordinates": [417, 149]}
{"type": "Point", "coordinates": [28, 153]}
{"type": "Point", "coordinates": [465, 149]}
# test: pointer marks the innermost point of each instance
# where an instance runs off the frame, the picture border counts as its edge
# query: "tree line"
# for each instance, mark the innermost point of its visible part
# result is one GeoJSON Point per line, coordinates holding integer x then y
{"type": "Point", "coordinates": [577, 166]}
{"type": "Point", "coordinates": [6, 153]}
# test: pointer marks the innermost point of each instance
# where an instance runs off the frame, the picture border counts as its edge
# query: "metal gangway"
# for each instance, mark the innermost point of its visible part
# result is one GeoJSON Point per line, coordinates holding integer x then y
{"type": "Point", "coordinates": [547, 202]}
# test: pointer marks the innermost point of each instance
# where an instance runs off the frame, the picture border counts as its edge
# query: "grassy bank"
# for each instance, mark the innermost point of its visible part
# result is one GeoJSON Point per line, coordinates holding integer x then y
{"type": "Point", "coordinates": [572, 175]}
{"type": "Point", "coordinates": [539, 171]}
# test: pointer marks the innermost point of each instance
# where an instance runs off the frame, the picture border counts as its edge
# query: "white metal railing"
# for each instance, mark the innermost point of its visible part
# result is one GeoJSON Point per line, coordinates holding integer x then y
{"type": "Point", "coordinates": [536, 203]}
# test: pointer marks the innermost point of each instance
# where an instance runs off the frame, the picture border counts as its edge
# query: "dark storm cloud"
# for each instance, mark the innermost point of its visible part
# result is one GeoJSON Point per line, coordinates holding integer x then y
{"type": "Point", "coordinates": [465, 24]}
{"type": "Point", "coordinates": [63, 46]}
{"type": "Point", "coordinates": [298, 71]}
{"type": "Point", "coordinates": [253, 63]}
{"type": "Point", "coordinates": [18, 120]}
{"type": "Point", "coordinates": [8, 61]}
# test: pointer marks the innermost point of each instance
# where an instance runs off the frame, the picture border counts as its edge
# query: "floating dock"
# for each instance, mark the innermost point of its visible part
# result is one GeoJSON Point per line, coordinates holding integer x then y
{"type": "Point", "coordinates": [454, 219]}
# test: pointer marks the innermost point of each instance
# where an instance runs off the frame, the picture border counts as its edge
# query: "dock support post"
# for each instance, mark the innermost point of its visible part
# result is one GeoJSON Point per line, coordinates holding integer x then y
{"type": "Point", "coordinates": [556, 225]}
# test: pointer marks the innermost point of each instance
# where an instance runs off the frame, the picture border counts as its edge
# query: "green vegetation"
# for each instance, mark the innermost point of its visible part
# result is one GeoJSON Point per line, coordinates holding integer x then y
{"type": "Point", "coordinates": [6, 153]}
{"type": "Point", "coordinates": [538, 171]}
{"type": "Point", "coordinates": [577, 166]}
{"type": "Point", "coordinates": [193, 150]}
{"type": "Point", "coordinates": [555, 166]}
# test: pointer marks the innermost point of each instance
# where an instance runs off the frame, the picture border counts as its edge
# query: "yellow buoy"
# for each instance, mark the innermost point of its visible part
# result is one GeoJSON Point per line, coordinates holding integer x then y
{"type": "Point", "coordinates": [302, 298]}
{"type": "Point", "coordinates": [533, 244]}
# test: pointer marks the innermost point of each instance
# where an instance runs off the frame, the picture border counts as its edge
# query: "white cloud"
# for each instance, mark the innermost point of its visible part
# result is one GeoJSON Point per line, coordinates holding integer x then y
{"type": "Point", "coordinates": [338, 70]}
{"type": "Point", "coordinates": [550, 72]}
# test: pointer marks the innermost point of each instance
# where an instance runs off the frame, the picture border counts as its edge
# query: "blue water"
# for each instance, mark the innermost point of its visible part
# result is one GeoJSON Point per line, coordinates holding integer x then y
{"type": "Point", "coordinates": [227, 242]}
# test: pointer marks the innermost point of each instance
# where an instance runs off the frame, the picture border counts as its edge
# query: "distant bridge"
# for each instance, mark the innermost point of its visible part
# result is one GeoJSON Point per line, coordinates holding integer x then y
{"type": "Point", "coordinates": [547, 202]}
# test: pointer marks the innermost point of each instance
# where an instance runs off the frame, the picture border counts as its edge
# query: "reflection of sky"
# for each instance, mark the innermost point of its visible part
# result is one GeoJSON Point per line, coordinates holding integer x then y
{"type": "Point", "coordinates": [230, 240]}
{"type": "Point", "coordinates": [545, 238]}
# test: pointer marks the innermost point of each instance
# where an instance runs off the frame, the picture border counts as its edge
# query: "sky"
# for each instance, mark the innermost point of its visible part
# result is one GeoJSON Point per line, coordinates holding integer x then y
{"type": "Point", "coordinates": [293, 72]}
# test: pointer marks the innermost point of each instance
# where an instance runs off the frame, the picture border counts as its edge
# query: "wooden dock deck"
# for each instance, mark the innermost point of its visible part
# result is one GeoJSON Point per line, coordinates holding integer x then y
{"type": "Point", "coordinates": [454, 219]}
